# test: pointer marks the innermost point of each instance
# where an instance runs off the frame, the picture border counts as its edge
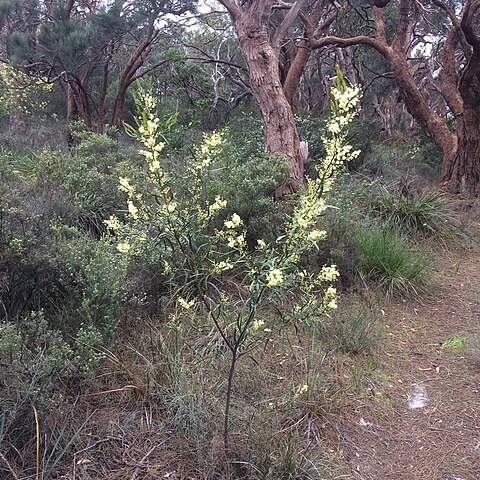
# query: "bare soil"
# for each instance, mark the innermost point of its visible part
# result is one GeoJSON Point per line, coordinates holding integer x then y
{"type": "Point", "coordinates": [430, 344]}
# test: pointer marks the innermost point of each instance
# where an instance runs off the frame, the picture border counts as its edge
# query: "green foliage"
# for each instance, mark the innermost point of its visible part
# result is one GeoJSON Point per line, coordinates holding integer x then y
{"type": "Point", "coordinates": [397, 158]}
{"type": "Point", "coordinates": [424, 213]}
{"type": "Point", "coordinates": [241, 173]}
{"type": "Point", "coordinates": [351, 329]}
{"type": "Point", "coordinates": [76, 281]}
{"type": "Point", "coordinates": [90, 182]}
{"type": "Point", "coordinates": [424, 152]}
{"type": "Point", "coordinates": [455, 345]}
{"type": "Point", "coordinates": [249, 184]}
{"type": "Point", "coordinates": [386, 260]}
{"type": "Point", "coordinates": [34, 355]}
{"type": "Point", "coordinates": [27, 93]}
{"type": "Point", "coordinates": [91, 280]}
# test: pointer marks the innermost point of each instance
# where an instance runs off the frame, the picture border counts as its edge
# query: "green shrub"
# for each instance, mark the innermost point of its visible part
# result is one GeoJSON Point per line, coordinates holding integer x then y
{"type": "Point", "coordinates": [247, 179]}
{"type": "Point", "coordinates": [90, 283]}
{"type": "Point", "coordinates": [397, 158]}
{"type": "Point", "coordinates": [37, 363]}
{"type": "Point", "coordinates": [90, 182]}
{"type": "Point", "coordinates": [75, 279]}
{"type": "Point", "coordinates": [249, 184]}
{"type": "Point", "coordinates": [386, 260]}
{"type": "Point", "coordinates": [33, 356]}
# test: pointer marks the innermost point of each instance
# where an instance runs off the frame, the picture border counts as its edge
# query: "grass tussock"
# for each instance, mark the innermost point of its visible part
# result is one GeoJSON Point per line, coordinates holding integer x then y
{"type": "Point", "coordinates": [421, 213]}
{"type": "Point", "coordinates": [386, 261]}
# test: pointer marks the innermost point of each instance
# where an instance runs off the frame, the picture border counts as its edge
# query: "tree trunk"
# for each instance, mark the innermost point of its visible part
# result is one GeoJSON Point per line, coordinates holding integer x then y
{"type": "Point", "coordinates": [386, 111]}
{"type": "Point", "coordinates": [464, 172]}
{"type": "Point", "coordinates": [119, 105]}
{"type": "Point", "coordinates": [295, 72]}
{"type": "Point", "coordinates": [78, 106]}
{"type": "Point", "coordinates": [101, 101]}
{"type": "Point", "coordinates": [135, 61]}
{"type": "Point", "coordinates": [320, 97]}
{"type": "Point", "coordinates": [418, 107]}
{"type": "Point", "coordinates": [281, 136]}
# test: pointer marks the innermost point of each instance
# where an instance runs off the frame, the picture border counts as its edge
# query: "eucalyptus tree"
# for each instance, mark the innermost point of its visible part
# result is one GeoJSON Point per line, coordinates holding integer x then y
{"type": "Point", "coordinates": [459, 76]}
{"type": "Point", "coordinates": [264, 29]}
{"type": "Point", "coordinates": [95, 49]}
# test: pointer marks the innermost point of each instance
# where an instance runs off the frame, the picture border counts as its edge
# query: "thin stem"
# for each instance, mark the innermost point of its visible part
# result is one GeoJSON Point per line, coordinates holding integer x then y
{"type": "Point", "coordinates": [226, 419]}
{"type": "Point", "coordinates": [9, 467]}
{"type": "Point", "coordinates": [37, 429]}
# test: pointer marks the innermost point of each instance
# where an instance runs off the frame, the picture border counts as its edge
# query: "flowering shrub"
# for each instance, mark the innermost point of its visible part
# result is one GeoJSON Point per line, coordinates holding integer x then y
{"type": "Point", "coordinates": [21, 89]}
{"type": "Point", "coordinates": [202, 261]}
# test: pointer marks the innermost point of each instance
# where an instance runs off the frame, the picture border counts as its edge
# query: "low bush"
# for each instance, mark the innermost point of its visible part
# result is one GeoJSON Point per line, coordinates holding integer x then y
{"type": "Point", "coordinates": [423, 213]}
{"type": "Point", "coordinates": [398, 157]}
{"type": "Point", "coordinates": [385, 259]}
{"type": "Point", "coordinates": [351, 329]}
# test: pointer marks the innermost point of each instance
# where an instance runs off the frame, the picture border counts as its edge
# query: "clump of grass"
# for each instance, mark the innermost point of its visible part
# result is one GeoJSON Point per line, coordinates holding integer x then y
{"type": "Point", "coordinates": [386, 261]}
{"type": "Point", "coordinates": [351, 329]}
{"type": "Point", "coordinates": [455, 345]}
{"type": "Point", "coordinates": [422, 213]}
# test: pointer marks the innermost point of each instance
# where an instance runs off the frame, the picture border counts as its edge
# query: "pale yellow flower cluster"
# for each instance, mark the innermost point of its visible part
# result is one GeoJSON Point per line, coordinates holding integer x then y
{"type": "Point", "coordinates": [275, 277]}
{"type": "Point", "coordinates": [261, 245]}
{"type": "Point", "coordinates": [186, 305]}
{"type": "Point", "coordinates": [216, 206]}
{"type": "Point", "coordinates": [132, 209]}
{"type": "Point", "coordinates": [237, 242]}
{"type": "Point", "coordinates": [300, 390]}
{"type": "Point", "coordinates": [316, 235]}
{"type": "Point", "coordinates": [113, 223]}
{"type": "Point", "coordinates": [125, 185]}
{"type": "Point", "coordinates": [222, 266]}
{"type": "Point", "coordinates": [328, 273]}
{"type": "Point", "coordinates": [208, 149]}
{"type": "Point", "coordinates": [256, 325]}
{"type": "Point", "coordinates": [347, 99]}
{"type": "Point", "coordinates": [330, 298]}
{"type": "Point", "coordinates": [234, 222]}
{"type": "Point", "coordinates": [124, 247]}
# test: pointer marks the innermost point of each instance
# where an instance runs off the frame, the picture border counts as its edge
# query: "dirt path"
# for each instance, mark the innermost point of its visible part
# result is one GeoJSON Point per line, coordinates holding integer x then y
{"type": "Point", "coordinates": [425, 347]}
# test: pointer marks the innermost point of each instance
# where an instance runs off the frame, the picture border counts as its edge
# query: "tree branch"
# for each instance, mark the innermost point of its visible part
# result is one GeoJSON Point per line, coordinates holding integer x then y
{"type": "Point", "coordinates": [469, 19]}
{"type": "Point", "coordinates": [287, 22]}
{"type": "Point", "coordinates": [233, 8]}
{"type": "Point", "coordinates": [346, 42]}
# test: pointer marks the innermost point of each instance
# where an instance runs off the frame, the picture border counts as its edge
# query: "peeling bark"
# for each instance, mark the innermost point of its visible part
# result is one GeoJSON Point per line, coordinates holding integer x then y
{"type": "Point", "coordinates": [261, 53]}
{"type": "Point", "coordinates": [281, 136]}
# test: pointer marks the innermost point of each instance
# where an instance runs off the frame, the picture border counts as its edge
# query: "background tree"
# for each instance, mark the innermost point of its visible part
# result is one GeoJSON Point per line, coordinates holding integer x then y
{"type": "Point", "coordinates": [95, 50]}
{"type": "Point", "coordinates": [261, 35]}
{"type": "Point", "coordinates": [459, 87]}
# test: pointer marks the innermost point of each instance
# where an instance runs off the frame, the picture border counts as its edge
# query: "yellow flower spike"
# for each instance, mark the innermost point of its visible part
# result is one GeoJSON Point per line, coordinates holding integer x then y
{"type": "Point", "coordinates": [132, 210]}
{"type": "Point", "coordinates": [185, 304]}
{"type": "Point", "coordinates": [125, 185]}
{"type": "Point", "coordinates": [234, 222]}
{"type": "Point", "coordinates": [113, 223]}
{"type": "Point", "coordinates": [123, 247]}
{"type": "Point", "coordinates": [275, 277]}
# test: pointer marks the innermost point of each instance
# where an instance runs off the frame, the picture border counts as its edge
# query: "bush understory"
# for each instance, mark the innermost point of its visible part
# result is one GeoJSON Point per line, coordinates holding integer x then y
{"type": "Point", "coordinates": [99, 381]}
